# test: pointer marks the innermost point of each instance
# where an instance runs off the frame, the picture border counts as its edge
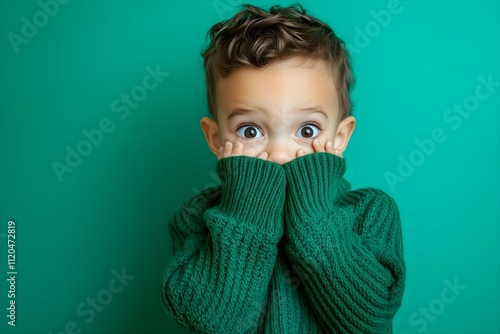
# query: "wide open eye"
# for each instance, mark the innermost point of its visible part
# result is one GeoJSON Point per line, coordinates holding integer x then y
{"type": "Point", "coordinates": [249, 132]}
{"type": "Point", "coordinates": [308, 131]}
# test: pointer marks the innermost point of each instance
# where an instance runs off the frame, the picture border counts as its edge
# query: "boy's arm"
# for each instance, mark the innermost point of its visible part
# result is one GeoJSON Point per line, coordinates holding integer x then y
{"type": "Point", "coordinates": [217, 280]}
{"type": "Point", "coordinates": [347, 244]}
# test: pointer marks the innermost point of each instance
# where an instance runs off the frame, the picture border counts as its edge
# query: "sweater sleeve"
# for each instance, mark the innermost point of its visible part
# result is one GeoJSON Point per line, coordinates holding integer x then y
{"type": "Point", "coordinates": [224, 255]}
{"type": "Point", "coordinates": [348, 245]}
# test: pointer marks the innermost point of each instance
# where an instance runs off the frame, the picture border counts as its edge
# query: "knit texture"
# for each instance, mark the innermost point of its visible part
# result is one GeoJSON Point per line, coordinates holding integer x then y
{"type": "Point", "coordinates": [285, 249]}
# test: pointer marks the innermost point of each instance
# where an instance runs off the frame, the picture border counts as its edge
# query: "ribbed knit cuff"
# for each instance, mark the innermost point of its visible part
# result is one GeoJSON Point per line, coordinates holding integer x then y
{"type": "Point", "coordinates": [253, 191]}
{"type": "Point", "coordinates": [314, 184]}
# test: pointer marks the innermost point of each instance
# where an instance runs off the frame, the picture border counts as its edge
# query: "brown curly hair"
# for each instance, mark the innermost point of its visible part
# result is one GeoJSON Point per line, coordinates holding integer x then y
{"type": "Point", "coordinates": [254, 37]}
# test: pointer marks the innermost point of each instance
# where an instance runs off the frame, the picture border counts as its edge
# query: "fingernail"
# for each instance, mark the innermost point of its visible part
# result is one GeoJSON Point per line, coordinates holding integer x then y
{"type": "Point", "coordinates": [220, 150]}
{"type": "Point", "coordinates": [316, 141]}
{"type": "Point", "coordinates": [330, 144]}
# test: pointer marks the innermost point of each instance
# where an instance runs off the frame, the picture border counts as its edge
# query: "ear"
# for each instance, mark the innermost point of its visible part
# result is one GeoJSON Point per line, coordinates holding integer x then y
{"type": "Point", "coordinates": [211, 131]}
{"type": "Point", "coordinates": [344, 132]}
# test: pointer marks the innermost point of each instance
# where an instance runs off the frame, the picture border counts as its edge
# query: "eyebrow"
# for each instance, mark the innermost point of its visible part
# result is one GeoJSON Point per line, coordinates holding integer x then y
{"type": "Point", "coordinates": [241, 111]}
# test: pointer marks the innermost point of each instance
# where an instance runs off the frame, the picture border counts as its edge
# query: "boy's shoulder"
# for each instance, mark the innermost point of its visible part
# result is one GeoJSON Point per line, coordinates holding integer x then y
{"type": "Point", "coordinates": [205, 198]}
{"type": "Point", "coordinates": [189, 214]}
{"type": "Point", "coordinates": [370, 196]}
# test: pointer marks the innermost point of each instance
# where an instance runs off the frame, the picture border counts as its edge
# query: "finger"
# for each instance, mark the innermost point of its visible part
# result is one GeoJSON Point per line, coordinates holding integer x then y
{"type": "Point", "coordinates": [300, 153]}
{"type": "Point", "coordinates": [329, 147]}
{"type": "Point", "coordinates": [237, 148]}
{"type": "Point", "coordinates": [262, 155]}
{"type": "Point", "coordinates": [339, 153]}
{"type": "Point", "coordinates": [317, 146]}
{"type": "Point", "coordinates": [219, 153]}
{"type": "Point", "coordinates": [228, 147]}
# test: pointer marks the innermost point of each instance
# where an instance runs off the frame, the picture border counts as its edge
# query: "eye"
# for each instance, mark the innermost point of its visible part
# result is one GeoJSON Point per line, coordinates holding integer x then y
{"type": "Point", "coordinates": [308, 130]}
{"type": "Point", "coordinates": [248, 132]}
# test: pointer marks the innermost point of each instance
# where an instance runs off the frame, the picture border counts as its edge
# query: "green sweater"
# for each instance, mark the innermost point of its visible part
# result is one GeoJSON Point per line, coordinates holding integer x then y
{"type": "Point", "coordinates": [285, 249]}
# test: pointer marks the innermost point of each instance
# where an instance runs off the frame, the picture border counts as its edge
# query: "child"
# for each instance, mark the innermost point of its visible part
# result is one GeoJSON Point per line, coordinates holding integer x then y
{"type": "Point", "coordinates": [283, 245]}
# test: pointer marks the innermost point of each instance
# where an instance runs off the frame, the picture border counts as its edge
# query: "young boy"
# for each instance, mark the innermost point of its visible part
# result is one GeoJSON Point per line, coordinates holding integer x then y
{"type": "Point", "coordinates": [283, 245]}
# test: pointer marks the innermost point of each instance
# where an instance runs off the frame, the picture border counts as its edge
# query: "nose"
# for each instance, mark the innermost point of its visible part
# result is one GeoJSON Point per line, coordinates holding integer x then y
{"type": "Point", "coordinates": [280, 152]}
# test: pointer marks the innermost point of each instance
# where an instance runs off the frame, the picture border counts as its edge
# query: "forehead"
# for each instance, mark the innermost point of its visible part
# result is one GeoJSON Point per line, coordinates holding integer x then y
{"type": "Point", "coordinates": [281, 85]}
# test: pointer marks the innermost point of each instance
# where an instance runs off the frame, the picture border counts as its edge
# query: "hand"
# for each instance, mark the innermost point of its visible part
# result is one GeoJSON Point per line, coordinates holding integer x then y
{"type": "Point", "coordinates": [237, 148]}
{"type": "Point", "coordinates": [318, 147]}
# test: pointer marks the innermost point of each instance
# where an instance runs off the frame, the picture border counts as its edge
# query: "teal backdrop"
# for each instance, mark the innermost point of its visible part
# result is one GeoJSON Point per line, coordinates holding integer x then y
{"type": "Point", "coordinates": [89, 178]}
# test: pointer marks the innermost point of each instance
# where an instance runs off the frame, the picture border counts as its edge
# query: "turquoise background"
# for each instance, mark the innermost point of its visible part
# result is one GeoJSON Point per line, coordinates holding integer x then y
{"type": "Point", "coordinates": [110, 212]}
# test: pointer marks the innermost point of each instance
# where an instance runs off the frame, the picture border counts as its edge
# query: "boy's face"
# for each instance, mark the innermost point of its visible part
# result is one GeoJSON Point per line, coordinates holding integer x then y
{"type": "Point", "coordinates": [278, 109]}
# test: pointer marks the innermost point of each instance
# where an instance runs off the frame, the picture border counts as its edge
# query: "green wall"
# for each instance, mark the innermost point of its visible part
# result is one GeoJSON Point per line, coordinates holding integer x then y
{"type": "Point", "coordinates": [427, 133]}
